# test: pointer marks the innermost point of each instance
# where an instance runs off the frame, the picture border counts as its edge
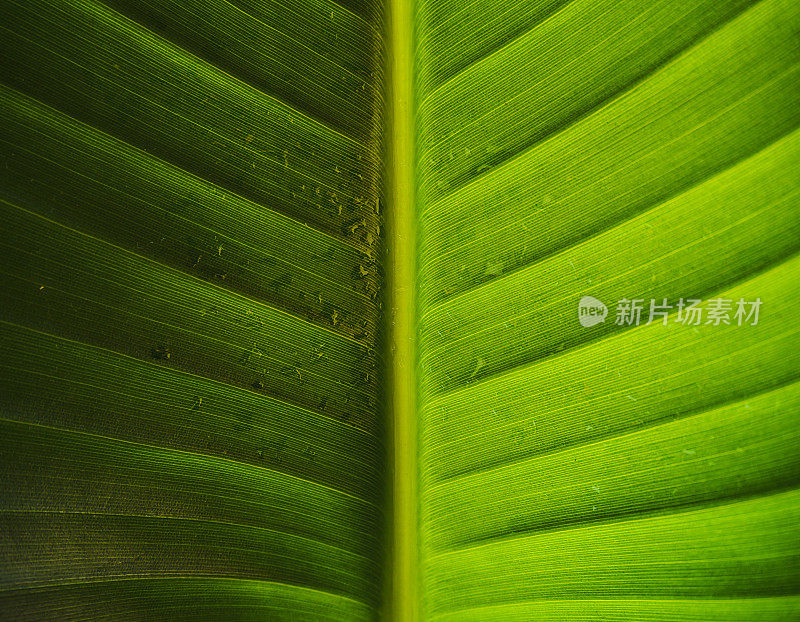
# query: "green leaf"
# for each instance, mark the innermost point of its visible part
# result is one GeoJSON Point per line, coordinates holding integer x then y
{"type": "Point", "coordinates": [212, 407]}
{"type": "Point", "coordinates": [189, 319]}
{"type": "Point", "coordinates": [621, 150]}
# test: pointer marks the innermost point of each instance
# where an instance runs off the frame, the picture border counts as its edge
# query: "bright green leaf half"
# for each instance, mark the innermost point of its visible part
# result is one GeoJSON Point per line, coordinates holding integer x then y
{"type": "Point", "coordinates": [639, 150]}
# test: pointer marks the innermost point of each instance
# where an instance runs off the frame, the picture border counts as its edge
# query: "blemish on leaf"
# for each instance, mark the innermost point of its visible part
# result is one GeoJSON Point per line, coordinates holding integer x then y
{"type": "Point", "coordinates": [479, 365]}
{"type": "Point", "coordinates": [352, 226]}
{"type": "Point", "coordinates": [311, 453]}
{"type": "Point", "coordinates": [162, 353]}
{"type": "Point", "coordinates": [361, 271]}
{"type": "Point", "coordinates": [493, 268]}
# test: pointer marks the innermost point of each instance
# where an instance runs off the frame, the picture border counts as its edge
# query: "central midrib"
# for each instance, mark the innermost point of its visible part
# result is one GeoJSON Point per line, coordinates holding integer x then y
{"type": "Point", "coordinates": [403, 577]}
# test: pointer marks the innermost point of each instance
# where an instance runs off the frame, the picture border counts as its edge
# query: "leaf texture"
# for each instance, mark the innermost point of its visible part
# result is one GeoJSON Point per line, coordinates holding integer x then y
{"type": "Point", "coordinates": [191, 316]}
{"type": "Point", "coordinates": [622, 150]}
{"type": "Point", "coordinates": [189, 320]}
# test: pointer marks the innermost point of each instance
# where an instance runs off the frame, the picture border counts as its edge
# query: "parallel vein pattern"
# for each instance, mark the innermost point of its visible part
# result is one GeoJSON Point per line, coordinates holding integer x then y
{"type": "Point", "coordinates": [190, 194]}
{"type": "Point", "coordinates": [618, 150]}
